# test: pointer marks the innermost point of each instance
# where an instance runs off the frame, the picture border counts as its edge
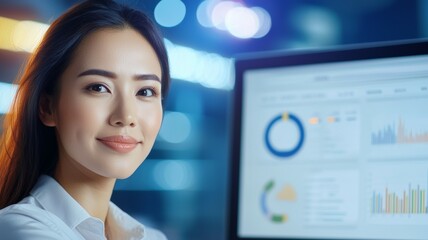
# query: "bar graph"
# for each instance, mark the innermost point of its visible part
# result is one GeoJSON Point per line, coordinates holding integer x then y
{"type": "Point", "coordinates": [411, 200]}
{"type": "Point", "coordinates": [398, 134]}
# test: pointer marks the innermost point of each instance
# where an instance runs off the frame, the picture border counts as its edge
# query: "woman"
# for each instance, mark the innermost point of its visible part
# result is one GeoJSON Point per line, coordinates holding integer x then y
{"type": "Point", "coordinates": [87, 111]}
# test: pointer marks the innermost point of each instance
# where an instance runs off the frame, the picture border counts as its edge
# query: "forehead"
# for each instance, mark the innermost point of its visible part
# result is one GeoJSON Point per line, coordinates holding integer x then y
{"type": "Point", "coordinates": [119, 50]}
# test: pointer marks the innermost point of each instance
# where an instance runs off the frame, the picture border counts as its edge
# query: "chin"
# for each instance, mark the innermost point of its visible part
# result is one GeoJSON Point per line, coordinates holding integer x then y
{"type": "Point", "coordinates": [122, 169]}
{"type": "Point", "coordinates": [124, 176]}
{"type": "Point", "coordinates": [126, 173]}
{"type": "Point", "coordinates": [117, 175]}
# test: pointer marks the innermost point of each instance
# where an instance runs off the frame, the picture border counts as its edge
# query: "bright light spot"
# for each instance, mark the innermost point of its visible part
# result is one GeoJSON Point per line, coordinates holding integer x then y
{"type": "Point", "coordinates": [20, 35]}
{"type": "Point", "coordinates": [203, 13]}
{"type": "Point", "coordinates": [7, 93]}
{"type": "Point", "coordinates": [242, 22]}
{"type": "Point", "coordinates": [174, 174]}
{"type": "Point", "coordinates": [220, 11]}
{"type": "Point", "coordinates": [170, 13]}
{"type": "Point", "coordinates": [265, 22]}
{"type": "Point", "coordinates": [202, 16]}
{"type": "Point", "coordinates": [176, 127]}
{"type": "Point", "coordinates": [7, 27]}
{"type": "Point", "coordinates": [208, 69]}
{"type": "Point", "coordinates": [28, 34]}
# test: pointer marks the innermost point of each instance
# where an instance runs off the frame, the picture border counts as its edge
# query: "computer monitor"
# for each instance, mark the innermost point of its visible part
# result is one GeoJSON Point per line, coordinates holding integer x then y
{"type": "Point", "coordinates": [331, 144]}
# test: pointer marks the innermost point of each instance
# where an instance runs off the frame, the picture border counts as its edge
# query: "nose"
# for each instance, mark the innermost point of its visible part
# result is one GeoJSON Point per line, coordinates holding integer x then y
{"type": "Point", "coordinates": [123, 115]}
{"type": "Point", "coordinates": [126, 121]}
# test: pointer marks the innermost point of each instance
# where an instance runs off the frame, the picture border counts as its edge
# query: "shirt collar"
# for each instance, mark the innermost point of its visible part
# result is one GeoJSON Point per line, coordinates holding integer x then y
{"type": "Point", "coordinates": [123, 226]}
{"type": "Point", "coordinates": [53, 198]}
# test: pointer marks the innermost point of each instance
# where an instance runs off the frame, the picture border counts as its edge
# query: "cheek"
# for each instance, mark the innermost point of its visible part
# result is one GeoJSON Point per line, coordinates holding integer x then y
{"type": "Point", "coordinates": [75, 113]}
{"type": "Point", "coordinates": [150, 118]}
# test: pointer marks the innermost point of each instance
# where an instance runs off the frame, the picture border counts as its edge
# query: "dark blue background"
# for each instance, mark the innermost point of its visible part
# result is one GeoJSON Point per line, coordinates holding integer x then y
{"type": "Point", "coordinates": [199, 209]}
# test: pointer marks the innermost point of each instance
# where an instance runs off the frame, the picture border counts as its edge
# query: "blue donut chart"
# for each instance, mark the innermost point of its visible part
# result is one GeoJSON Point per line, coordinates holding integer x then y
{"type": "Point", "coordinates": [285, 117]}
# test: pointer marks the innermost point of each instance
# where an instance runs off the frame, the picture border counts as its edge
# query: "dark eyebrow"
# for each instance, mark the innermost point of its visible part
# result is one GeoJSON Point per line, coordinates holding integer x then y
{"type": "Point", "coordinates": [109, 74]}
{"type": "Point", "coordinates": [147, 77]}
{"type": "Point", "coordinates": [98, 72]}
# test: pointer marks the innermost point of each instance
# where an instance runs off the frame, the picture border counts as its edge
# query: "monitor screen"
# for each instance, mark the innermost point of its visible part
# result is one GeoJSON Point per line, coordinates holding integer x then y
{"type": "Point", "coordinates": [331, 144]}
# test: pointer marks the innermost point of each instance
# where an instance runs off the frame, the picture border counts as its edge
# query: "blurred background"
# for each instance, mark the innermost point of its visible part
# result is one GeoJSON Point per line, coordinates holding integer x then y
{"type": "Point", "coordinates": [182, 188]}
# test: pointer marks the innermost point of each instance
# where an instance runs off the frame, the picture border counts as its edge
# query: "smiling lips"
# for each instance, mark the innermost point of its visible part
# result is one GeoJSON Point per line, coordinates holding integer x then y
{"type": "Point", "coordinates": [121, 144]}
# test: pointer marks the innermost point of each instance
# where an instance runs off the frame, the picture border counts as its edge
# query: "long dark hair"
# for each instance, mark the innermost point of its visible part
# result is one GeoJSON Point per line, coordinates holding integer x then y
{"type": "Point", "coordinates": [29, 148]}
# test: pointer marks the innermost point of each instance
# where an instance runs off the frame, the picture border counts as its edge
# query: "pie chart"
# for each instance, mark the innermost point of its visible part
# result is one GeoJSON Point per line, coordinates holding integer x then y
{"type": "Point", "coordinates": [287, 194]}
{"type": "Point", "coordinates": [288, 120]}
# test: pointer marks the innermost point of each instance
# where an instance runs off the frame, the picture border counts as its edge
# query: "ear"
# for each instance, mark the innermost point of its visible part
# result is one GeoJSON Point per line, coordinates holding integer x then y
{"type": "Point", "coordinates": [46, 111]}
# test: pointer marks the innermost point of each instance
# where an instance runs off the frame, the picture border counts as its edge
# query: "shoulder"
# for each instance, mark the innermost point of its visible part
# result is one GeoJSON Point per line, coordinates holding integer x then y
{"type": "Point", "coordinates": [154, 234]}
{"type": "Point", "coordinates": [24, 221]}
{"type": "Point", "coordinates": [126, 223]}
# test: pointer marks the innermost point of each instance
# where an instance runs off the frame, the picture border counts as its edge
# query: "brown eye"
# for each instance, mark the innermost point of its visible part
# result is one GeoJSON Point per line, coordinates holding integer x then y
{"type": "Point", "coordinates": [99, 88]}
{"type": "Point", "coordinates": [146, 92]}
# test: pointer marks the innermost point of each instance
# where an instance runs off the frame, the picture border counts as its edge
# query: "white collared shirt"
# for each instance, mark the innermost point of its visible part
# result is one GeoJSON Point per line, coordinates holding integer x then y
{"type": "Point", "coordinates": [49, 212]}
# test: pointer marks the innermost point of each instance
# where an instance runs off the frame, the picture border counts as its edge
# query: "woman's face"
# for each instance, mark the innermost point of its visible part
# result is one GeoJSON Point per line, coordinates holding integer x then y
{"type": "Point", "coordinates": [108, 111]}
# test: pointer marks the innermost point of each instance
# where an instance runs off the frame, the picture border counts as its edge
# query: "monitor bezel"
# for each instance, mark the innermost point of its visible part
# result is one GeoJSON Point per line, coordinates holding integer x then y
{"type": "Point", "coordinates": [297, 58]}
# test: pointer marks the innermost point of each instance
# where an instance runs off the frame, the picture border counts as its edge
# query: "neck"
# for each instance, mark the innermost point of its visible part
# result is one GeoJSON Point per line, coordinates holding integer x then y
{"type": "Point", "coordinates": [91, 191]}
